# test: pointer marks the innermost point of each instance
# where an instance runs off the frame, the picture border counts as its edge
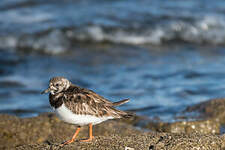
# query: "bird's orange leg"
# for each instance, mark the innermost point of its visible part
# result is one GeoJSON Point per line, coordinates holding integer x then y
{"type": "Point", "coordinates": [73, 138]}
{"type": "Point", "coordinates": [90, 134]}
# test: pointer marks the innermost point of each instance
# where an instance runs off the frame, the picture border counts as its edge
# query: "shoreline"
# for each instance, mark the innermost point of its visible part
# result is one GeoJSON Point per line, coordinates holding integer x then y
{"type": "Point", "coordinates": [47, 132]}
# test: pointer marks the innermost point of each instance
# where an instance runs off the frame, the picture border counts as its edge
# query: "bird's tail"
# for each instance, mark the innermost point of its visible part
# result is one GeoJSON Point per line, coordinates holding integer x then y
{"type": "Point", "coordinates": [121, 102]}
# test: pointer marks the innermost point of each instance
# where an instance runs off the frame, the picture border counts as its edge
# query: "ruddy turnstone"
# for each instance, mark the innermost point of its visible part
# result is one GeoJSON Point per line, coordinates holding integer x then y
{"type": "Point", "coordinates": [81, 106]}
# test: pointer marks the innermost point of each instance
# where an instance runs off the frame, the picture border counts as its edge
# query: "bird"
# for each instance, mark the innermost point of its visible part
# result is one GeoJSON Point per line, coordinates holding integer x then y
{"type": "Point", "coordinates": [81, 106]}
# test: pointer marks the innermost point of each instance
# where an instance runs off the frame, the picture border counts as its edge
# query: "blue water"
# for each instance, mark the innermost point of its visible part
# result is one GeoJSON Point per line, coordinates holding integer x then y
{"type": "Point", "coordinates": [163, 55]}
{"type": "Point", "coordinates": [54, 26]}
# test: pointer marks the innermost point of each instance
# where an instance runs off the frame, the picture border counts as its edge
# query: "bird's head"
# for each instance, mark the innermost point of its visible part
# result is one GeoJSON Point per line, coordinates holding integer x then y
{"type": "Point", "coordinates": [57, 85]}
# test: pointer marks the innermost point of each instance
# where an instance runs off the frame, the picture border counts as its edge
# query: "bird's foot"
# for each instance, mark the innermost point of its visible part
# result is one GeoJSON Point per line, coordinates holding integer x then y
{"type": "Point", "coordinates": [67, 142]}
{"type": "Point", "coordinates": [88, 140]}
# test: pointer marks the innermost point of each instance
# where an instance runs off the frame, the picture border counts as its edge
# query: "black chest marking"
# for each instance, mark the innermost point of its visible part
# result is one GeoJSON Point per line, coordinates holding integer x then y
{"type": "Point", "coordinates": [55, 100]}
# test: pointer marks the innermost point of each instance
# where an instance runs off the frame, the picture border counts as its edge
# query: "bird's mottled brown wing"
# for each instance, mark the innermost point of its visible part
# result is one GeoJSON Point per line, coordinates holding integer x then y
{"type": "Point", "coordinates": [100, 99]}
{"type": "Point", "coordinates": [86, 102]}
{"type": "Point", "coordinates": [97, 98]}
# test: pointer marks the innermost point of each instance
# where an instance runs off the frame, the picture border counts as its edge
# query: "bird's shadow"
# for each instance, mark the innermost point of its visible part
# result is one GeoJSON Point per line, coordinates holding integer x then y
{"type": "Point", "coordinates": [59, 146]}
{"type": "Point", "coordinates": [55, 146]}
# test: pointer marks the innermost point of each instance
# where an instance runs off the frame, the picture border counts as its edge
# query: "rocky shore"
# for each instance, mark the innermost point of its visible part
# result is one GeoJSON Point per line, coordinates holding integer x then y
{"type": "Point", "coordinates": [47, 132]}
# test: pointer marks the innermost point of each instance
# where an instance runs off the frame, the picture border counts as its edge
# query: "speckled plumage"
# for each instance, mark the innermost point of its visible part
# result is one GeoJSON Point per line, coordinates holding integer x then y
{"type": "Point", "coordinates": [81, 101]}
{"type": "Point", "coordinates": [81, 106]}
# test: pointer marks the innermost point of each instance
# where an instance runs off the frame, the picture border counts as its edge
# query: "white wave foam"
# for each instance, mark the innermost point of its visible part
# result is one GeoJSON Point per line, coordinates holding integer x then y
{"type": "Point", "coordinates": [208, 30]}
{"type": "Point", "coordinates": [97, 34]}
{"type": "Point", "coordinates": [25, 16]}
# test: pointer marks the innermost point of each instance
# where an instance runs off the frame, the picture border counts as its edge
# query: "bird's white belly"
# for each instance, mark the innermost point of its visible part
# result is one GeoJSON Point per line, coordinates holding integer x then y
{"type": "Point", "coordinates": [68, 116]}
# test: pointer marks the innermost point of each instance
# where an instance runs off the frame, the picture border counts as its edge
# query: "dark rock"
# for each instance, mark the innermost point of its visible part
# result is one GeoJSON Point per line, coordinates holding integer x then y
{"type": "Point", "coordinates": [213, 109]}
{"type": "Point", "coordinates": [47, 132]}
{"type": "Point", "coordinates": [200, 126]}
{"type": "Point", "coordinates": [156, 141]}
{"type": "Point", "coordinates": [208, 116]}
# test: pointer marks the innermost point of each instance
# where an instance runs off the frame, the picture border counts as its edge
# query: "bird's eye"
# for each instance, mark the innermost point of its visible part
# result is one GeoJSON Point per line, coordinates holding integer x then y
{"type": "Point", "coordinates": [56, 84]}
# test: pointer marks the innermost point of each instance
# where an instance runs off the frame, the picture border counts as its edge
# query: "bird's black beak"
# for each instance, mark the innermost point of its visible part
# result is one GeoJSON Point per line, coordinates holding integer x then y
{"type": "Point", "coordinates": [45, 91]}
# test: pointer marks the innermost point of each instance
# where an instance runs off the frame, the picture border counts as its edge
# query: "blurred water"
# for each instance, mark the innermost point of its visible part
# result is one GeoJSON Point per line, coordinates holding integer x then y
{"type": "Point", "coordinates": [163, 55]}
{"type": "Point", "coordinates": [53, 26]}
{"type": "Point", "coordinates": [160, 83]}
